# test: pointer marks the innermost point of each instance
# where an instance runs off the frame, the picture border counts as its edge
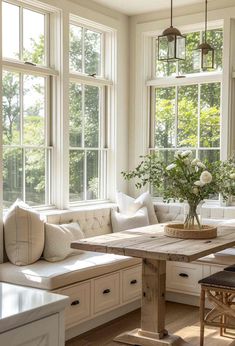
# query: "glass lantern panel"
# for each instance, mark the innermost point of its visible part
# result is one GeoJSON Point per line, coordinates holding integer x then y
{"type": "Point", "coordinates": [163, 48]}
{"type": "Point", "coordinates": [171, 47]}
{"type": "Point", "coordinates": [197, 60]}
{"type": "Point", "coordinates": [207, 60]}
{"type": "Point", "coordinates": [180, 47]}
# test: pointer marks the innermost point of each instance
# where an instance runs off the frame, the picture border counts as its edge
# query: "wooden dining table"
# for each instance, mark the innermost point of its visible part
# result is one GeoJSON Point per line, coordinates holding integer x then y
{"type": "Point", "coordinates": [150, 244]}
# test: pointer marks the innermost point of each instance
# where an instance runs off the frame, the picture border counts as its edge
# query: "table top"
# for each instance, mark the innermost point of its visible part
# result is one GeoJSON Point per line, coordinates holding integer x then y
{"type": "Point", "coordinates": [150, 242]}
{"type": "Point", "coordinates": [20, 305]}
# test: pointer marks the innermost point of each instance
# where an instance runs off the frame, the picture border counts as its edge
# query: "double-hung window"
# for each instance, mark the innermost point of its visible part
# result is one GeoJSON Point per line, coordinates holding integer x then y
{"type": "Point", "coordinates": [186, 102]}
{"type": "Point", "coordinates": [26, 84]}
{"type": "Point", "coordinates": [88, 92]}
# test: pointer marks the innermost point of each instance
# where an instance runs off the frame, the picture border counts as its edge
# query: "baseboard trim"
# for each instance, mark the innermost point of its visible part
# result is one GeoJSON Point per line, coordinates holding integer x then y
{"type": "Point", "coordinates": [99, 320]}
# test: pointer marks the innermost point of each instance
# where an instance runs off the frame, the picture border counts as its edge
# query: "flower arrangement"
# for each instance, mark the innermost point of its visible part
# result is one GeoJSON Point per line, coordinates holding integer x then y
{"type": "Point", "coordinates": [186, 179]}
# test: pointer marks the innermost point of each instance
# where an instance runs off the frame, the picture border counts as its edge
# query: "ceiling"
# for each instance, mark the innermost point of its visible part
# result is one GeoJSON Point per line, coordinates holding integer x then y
{"type": "Point", "coordinates": [133, 7]}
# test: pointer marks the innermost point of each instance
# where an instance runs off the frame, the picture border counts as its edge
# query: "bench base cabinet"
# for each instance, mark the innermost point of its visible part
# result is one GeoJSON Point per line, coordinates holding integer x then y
{"type": "Point", "coordinates": [99, 296]}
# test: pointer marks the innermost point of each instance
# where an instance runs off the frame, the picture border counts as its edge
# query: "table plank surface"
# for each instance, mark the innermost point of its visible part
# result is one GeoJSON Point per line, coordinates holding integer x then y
{"type": "Point", "coordinates": [150, 242]}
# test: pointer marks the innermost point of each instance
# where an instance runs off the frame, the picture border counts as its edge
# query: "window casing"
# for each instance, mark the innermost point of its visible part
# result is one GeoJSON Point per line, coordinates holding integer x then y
{"type": "Point", "coordinates": [27, 81]}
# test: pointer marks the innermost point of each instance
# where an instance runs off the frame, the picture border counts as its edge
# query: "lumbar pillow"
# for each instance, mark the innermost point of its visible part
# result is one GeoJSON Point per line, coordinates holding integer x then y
{"type": "Point", "coordinates": [23, 234]}
{"type": "Point", "coordinates": [58, 239]}
{"type": "Point", "coordinates": [128, 205]}
{"type": "Point", "coordinates": [122, 222]}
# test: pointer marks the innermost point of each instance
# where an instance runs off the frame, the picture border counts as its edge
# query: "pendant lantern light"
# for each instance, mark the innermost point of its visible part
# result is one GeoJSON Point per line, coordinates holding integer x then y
{"type": "Point", "coordinates": [207, 52]}
{"type": "Point", "coordinates": [171, 44]}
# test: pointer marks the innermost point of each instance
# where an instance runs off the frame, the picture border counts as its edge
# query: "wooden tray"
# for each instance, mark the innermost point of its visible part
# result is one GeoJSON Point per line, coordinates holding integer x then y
{"type": "Point", "coordinates": [176, 230]}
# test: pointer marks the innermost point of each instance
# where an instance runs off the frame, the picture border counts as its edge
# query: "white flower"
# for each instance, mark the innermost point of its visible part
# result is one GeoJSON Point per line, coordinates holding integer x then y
{"type": "Point", "coordinates": [206, 177]}
{"type": "Point", "coordinates": [186, 161]}
{"type": "Point", "coordinates": [171, 166]}
{"type": "Point", "coordinates": [186, 153]}
{"type": "Point", "coordinates": [195, 190]}
{"type": "Point", "coordinates": [201, 165]}
{"type": "Point", "coordinates": [199, 183]}
{"type": "Point", "coordinates": [232, 176]}
{"type": "Point", "coordinates": [195, 162]}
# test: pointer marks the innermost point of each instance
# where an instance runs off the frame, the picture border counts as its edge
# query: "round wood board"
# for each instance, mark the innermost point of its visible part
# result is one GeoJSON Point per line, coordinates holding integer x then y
{"type": "Point", "coordinates": [177, 231]}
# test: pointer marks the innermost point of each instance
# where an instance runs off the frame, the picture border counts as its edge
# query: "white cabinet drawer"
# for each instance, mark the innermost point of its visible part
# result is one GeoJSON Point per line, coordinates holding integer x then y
{"type": "Point", "coordinates": [80, 303]}
{"type": "Point", "coordinates": [106, 292]}
{"type": "Point", "coordinates": [183, 277]}
{"type": "Point", "coordinates": [216, 269]}
{"type": "Point", "coordinates": [131, 283]}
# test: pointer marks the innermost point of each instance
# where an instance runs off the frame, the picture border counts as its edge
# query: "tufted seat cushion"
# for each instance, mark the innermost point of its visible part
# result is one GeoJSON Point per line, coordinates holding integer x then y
{"type": "Point", "coordinates": [169, 212]}
{"type": "Point", "coordinates": [77, 268]}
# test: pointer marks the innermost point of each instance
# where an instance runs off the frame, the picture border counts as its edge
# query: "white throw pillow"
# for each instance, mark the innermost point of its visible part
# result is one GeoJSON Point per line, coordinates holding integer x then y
{"type": "Point", "coordinates": [122, 222]}
{"type": "Point", "coordinates": [23, 234]}
{"type": "Point", "coordinates": [128, 205]}
{"type": "Point", "coordinates": [58, 239]}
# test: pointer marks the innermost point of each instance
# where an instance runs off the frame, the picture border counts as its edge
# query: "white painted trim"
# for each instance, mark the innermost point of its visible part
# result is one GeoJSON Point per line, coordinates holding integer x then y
{"type": "Point", "coordinates": [26, 68]}
{"type": "Point", "coordinates": [81, 78]}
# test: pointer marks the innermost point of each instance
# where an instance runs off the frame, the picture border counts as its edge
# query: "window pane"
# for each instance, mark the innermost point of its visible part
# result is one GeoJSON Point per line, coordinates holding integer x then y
{"type": "Point", "coordinates": [33, 37]}
{"type": "Point", "coordinates": [210, 115]}
{"type": "Point", "coordinates": [93, 174]}
{"type": "Point", "coordinates": [92, 45]}
{"type": "Point", "coordinates": [75, 115]}
{"type": "Point", "coordinates": [215, 39]}
{"type": "Point", "coordinates": [10, 31]}
{"type": "Point", "coordinates": [165, 117]}
{"type": "Point", "coordinates": [75, 48]}
{"type": "Point", "coordinates": [209, 155]}
{"type": "Point", "coordinates": [34, 110]}
{"type": "Point", "coordinates": [12, 175]}
{"type": "Point", "coordinates": [187, 116]}
{"type": "Point", "coordinates": [187, 66]}
{"type": "Point", "coordinates": [11, 108]}
{"type": "Point", "coordinates": [76, 175]}
{"type": "Point", "coordinates": [35, 176]}
{"type": "Point", "coordinates": [92, 96]}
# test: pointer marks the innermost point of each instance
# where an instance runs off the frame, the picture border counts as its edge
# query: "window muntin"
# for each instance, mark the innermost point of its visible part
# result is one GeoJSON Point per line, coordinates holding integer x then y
{"type": "Point", "coordinates": [23, 34]}
{"type": "Point", "coordinates": [191, 64]}
{"type": "Point", "coordinates": [85, 50]}
{"type": "Point", "coordinates": [27, 150]}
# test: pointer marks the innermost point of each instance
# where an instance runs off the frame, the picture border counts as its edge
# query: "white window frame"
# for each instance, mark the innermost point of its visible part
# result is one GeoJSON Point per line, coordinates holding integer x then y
{"type": "Point", "coordinates": [50, 74]}
{"type": "Point", "coordinates": [105, 83]}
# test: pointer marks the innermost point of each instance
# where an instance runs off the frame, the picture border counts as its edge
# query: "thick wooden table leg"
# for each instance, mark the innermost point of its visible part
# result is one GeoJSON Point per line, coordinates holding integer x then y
{"type": "Point", "coordinates": [152, 331]}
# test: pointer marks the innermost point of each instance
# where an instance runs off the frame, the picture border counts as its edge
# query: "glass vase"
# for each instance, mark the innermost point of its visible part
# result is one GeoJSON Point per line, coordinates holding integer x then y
{"type": "Point", "coordinates": [192, 219]}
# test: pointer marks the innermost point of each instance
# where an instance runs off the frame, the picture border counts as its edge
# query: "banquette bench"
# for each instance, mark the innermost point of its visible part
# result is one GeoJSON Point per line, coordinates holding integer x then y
{"type": "Point", "coordinates": [104, 286]}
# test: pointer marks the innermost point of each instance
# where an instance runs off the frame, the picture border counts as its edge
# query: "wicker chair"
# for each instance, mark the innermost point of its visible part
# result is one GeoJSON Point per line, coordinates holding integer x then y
{"type": "Point", "coordinates": [220, 291]}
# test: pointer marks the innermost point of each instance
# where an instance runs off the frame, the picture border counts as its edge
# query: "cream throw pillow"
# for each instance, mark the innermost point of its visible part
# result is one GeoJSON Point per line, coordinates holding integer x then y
{"type": "Point", "coordinates": [23, 234]}
{"type": "Point", "coordinates": [128, 205]}
{"type": "Point", "coordinates": [58, 239]}
{"type": "Point", "coordinates": [122, 222]}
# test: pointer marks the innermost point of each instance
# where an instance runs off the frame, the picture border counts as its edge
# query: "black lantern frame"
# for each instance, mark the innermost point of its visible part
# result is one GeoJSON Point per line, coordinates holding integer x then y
{"type": "Point", "coordinates": [172, 43]}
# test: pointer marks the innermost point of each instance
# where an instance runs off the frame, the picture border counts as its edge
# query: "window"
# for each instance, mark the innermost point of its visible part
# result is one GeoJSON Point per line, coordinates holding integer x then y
{"type": "Point", "coordinates": [27, 149]}
{"type": "Point", "coordinates": [87, 115]}
{"type": "Point", "coordinates": [186, 103]}
{"type": "Point", "coordinates": [186, 111]}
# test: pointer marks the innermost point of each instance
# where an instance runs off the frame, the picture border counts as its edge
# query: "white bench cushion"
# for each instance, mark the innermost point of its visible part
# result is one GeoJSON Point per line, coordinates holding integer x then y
{"type": "Point", "coordinates": [225, 257]}
{"type": "Point", "coordinates": [77, 268]}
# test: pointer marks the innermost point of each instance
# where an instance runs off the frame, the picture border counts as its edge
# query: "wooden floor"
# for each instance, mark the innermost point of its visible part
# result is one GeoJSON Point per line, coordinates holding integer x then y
{"type": "Point", "coordinates": [182, 320]}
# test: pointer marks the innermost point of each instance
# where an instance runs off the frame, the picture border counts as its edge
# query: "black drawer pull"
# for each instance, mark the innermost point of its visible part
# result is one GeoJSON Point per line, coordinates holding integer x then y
{"type": "Point", "coordinates": [183, 275]}
{"type": "Point", "coordinates": [106, 291]}
{"type": "Point", "coordinates": [133, 282]}
{"type": "Point", "coordinates": [75, 302]}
